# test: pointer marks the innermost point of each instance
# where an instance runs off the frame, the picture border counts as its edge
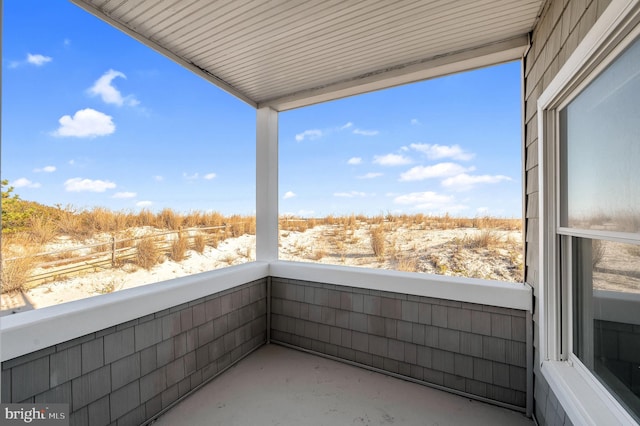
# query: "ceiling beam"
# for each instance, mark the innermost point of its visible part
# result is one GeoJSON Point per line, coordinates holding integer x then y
{"type": "Point", "coordinates": [468, 59]}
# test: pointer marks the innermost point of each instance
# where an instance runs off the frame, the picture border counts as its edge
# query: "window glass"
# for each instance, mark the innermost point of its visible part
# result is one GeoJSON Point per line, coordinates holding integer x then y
{"type": "Point", "coordinates": [606, 300]}
{"type": "Point", "coordinates": [601, 150]}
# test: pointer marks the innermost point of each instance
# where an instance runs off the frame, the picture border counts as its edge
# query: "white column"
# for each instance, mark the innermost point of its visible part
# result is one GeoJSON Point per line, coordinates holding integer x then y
{"type": "Point", "coordinates": [266, 184]}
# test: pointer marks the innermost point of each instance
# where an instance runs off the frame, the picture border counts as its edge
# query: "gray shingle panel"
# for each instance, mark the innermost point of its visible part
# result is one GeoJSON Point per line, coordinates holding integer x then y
{"type": "Point", "coordinates": [328, 316]}
{"type": "Point", "coordinates": [152, 384]}
{"type": "Point", "coordinates": [148, 333]}
{"type": "Point", "coordinates": [463, 365]}
{"type": "Point", "coordinates": [449, 340]}
{"type": "Point", "coordinates": [30, 379]}
{"type": "Point", "coordinates": [91, 387]}
{"type": "Point", "coordinates": [439, 316]}
{"type": "Point", "coordinates": [125, 370]}
{"type": "Point", "coordinates": [125, 399]}
{"type": "Point", "coordinates": [456, 382]}
{"type": "Point", "coordinates": [424, 313]}
{"type": "Point", "coordinates": [494, 349]}
{"type": "Point", "coordinates": [410, 311]}
{"type": "Point", "coordinates": [391, 308]}
{"type": "Point", "coordinates": [418, 333]}
{"type": "Point", "coordinates": [500, 374]}
{"type": "Point", "coordinates": [6, 385]}
{"type": "Point", "coordinates": [516, 353]}
{"type": "Point", "coordinates": [501, 326]}
{"type": "Point", "coordinates": [396, 350]}
{"type": "Point", "coordinates": [481, 323]}
{"type": "Point", "coordinates": [459, 319]}
{"type": "Point", "coordinates": [375, 325]}
{"type": "Point", "coordinates": [92, 355]}
{"type": "Point", "coordinates": [358, 322]}
{"type": "Point", "coordinates": [483, 370]}
{"type": "Point", "coordinates": [164, 352]}
{"type": "Point", "coordinates": [154, 406]}
{"type": "Point", "coordinates": [470, 344]}
{"type": "Point", "coordinates": [378, 345]}
{"type": "Point", "coordinates": [175, 371]}
{"type": "Point", "coordinates": [342, 319]}
{"type": "Point", "coordinates": [119, 344]}
{"type": "Point", "coordinates": [372, 305]}
{"type": "Point", "coordinates": [59, 394]}
{"type": "Point", "coordinates": [148, 360]}
{"type": "Point", "coordinates": [64, 366]}
{"type": "Point", "coordinates": [99, 412]}
{"type": "Point", "coordinates": [404, 331]}
{"type": "Point", "coordinates": [442, 361]}
{"type": "Point", "coordinates": [424, 356]}
{"type": "Point", "coordinates": [171, 325]}
{"type": "Point", "coordinates": [186, 319]}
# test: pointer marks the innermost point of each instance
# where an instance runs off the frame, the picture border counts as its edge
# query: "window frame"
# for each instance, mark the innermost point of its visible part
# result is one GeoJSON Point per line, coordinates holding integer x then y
{"type": "Point", "coordinates": [584, 398]}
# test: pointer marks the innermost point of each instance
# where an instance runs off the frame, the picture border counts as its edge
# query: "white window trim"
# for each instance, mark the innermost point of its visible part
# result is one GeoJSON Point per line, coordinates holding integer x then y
{"type": "Point", "coordinates": [584, 399]}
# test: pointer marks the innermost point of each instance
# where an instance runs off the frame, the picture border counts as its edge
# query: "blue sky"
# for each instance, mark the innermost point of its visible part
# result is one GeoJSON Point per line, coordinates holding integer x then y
{"type": "Point", "coordinates": [91, 117]}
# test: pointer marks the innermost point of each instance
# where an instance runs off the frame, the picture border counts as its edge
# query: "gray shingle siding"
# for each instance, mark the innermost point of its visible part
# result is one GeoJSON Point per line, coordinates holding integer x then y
{"type": "Point", "coordinates": [426, 339]}
{"type": "Point", "coordinates": [127, 374]}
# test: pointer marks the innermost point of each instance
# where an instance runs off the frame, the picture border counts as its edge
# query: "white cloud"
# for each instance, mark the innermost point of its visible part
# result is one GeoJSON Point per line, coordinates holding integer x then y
{"type": "Point", "coordinates": [465, 182]}
{"type": "Point", "coordinates": [124, 195]}
{"type": "Point", "coordinates": [288, 194]}
{"type": "Point", "coordinates": [430, 201]}
{"type": "Point", "coordinates": [209, 176]}
{"type": "Point", "coordinates": [346, 126]}
{"type": "Point", "coordinates": [86, 123]}
{"type": "Point", "coordinates": [309, 134]}
{"type": "Point", "coordinates": [45, 169]}
{"type": "Point", "coordinates": [104, 88]}
{"type": "Point", "coordinates": [435, 171]}
{"type": "Point", "coordinates": [391, 160]}
{"type": "Point", "coordinates": [435, 151]}
{"type": "Point", "coordinates": [158, 178]}
{"type": "Point", "coordinates": [24, 183]}
{"type": "Point", "coordinates": [415, 122]}
{"type": "Point", "coordinates": [143, 203]}
{"type": "Point", "coordinates": [351, 194]}
{"type": "Point", "coordinates": [187, 176]}
{"type": "Point", "coordinates": [365, 132]}
{"type": "Point", "coordinates": [370, 175]}
{"type": "Point", "coordinates": [37, 59]}
{"type": "Point", "coordinates": [88, 185]}
{"type": "Point", "coordinates": [354, 161]}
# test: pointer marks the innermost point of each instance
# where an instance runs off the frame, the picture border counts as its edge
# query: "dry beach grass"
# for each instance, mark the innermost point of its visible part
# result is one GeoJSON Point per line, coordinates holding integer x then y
{"type": "Point", "coordinates": [175, 245]}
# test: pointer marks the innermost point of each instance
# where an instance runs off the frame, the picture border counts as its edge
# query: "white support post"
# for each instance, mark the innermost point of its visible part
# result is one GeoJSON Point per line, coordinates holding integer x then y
{"type": "Point", "coordinates": [266, 184]}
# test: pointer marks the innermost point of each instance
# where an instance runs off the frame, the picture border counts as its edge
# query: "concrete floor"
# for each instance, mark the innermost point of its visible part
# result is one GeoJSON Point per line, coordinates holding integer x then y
{"type": "Point", "coordinates": [281, 386]}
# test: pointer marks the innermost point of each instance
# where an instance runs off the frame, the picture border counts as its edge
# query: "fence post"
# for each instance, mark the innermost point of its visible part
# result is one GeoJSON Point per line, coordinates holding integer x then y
{"type": "Point", "coordinates": [113, 250]}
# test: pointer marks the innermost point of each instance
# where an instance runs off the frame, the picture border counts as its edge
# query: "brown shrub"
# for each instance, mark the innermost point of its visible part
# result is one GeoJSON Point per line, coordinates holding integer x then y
{"type": "Point", "coordinates": [377, 241]}
{"type": "Point", "coordinates": [179, 248]}
{"type": "Point", "coordinates": [147, 253]}
{"type": "Point", "coordinates": [17, 264]}
{"type": "Point", "coordinates": [41, 230]}
{"type": "Point", "coordinates": [168, 219]}
{"type": "Point", "coordinates": [199, 243]}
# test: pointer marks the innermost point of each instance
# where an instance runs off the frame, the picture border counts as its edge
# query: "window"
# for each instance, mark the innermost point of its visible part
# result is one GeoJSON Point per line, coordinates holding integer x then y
{"type": "Point", "coordinates": [591, 224]}
{"type": "Point", "coordinates": [600, 206]}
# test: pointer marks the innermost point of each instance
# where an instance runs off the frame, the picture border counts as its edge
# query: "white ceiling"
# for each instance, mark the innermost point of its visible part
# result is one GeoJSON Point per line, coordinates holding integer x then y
{"type": "Point", "coordinates": [287, 54]}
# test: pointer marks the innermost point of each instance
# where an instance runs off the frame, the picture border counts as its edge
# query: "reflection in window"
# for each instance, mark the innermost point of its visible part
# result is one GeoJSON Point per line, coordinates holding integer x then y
{"type": "Point", "coordinates": [606, 283]}
{"type": "Point", "coordinates": [600, 158]}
